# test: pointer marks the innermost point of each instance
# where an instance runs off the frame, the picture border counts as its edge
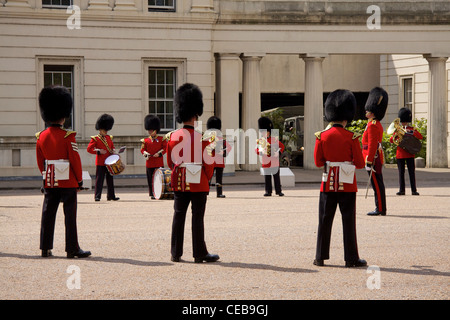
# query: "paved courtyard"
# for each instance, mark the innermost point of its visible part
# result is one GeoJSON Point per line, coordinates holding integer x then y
{"type": "Point", "coordinates": [266, 246]}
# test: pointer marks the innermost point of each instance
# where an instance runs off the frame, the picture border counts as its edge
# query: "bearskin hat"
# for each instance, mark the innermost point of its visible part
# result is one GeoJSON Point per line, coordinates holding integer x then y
{"type": "Point", "coordinates": [265, 123]}
{"type": "Point", "coordinates": [188, 102]}
{"type": "Point", "coordinates": [55, 103]}
{"type": "Point", "coordinates": [152, 122]}
{"type": "Point", "coordinates": [405, 115]}
{"type": "Point", "coordinates": [104, 122]}
{"type": "Point", "coordinates": [214, 123]}
{"type": "Point", "coordinates": [340, 105]}
{"type": "Point", "coordinates": [377, 102]}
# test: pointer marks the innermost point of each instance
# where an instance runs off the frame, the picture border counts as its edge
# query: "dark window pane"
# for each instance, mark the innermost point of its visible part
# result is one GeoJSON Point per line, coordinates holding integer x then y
{"type": "Point", "coordinates": [152, 92]}
{"type": "Point", "coordinates": [160, 107]}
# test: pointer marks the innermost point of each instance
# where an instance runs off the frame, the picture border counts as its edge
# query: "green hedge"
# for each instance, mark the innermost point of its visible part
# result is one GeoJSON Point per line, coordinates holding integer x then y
{"type": "Point", "coordinates": [390, 149]}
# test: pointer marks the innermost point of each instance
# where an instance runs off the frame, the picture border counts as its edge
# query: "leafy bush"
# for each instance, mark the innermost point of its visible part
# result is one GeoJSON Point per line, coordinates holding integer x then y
{"type": "Point", "coordinates": [389, 148]}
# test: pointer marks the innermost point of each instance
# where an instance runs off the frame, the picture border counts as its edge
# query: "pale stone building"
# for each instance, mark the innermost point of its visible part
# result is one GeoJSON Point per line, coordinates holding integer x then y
{"type": "Point", "coordinates": [127, 57]}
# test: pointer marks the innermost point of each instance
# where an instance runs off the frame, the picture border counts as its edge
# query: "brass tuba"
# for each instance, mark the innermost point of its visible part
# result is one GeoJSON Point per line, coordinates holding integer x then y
{"type": "Point", "coordinates": [396, 129]}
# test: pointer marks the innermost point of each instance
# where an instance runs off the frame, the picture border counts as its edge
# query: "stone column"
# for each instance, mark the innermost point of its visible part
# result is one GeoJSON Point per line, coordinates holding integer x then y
{"type": "Point", "coordinates": [251, 106]}
{"type": "Point", "coordinates": [227, 96]}
{"type": "Point", "coordinates": [437, 132]}
{"type": "Point", "coordinates": [102, 5]}
{"type": "Point", "coordinates": [313, 106]}
{"type": "Point", "coordinates": [125, 5]}
{"type": "Point", "coordinates": [202, 6]}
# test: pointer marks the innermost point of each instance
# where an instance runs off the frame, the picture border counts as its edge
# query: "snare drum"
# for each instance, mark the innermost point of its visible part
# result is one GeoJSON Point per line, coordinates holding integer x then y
{"type": "Point", "coordinates": [161, 184]}
{"type": "Point", "coordinates": [114, 164]}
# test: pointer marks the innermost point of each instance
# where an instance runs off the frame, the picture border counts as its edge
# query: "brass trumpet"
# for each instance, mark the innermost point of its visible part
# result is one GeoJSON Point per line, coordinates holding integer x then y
{"type": "Point", "coordinates": [264, 146]}
{"type": "Point", "coordinates": [397, 130]}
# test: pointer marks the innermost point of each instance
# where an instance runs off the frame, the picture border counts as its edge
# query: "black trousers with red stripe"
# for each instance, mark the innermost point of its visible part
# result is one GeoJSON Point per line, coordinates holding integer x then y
{"type": "Point", "coordinates": [198, 206]}
{"type": "Point", "coordinates": [379, 190]}
{"type": "Point", "coordinates": [53, 197]}
{"type": "Point", "coordinates": [327, 208]}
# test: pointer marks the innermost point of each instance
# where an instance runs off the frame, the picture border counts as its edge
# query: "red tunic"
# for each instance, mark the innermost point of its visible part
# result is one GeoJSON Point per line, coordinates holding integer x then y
{"type": "Point", "coordinates": [154, 146]}
{"type": "Point", "coordinates": [272, 160]}
{"type": "Point", "coordinates": [219, 158]}
{"type": "Point", "coordinates": [401, 153]}
{"type": "Point", "coordinates": [337, 144]}
{"type": "Point", "coordinates": [100, 142]}
{"type": "Point", "coordinates": [55, 143]}
{"type": "Point", "coordinates": [372, 137]}
{"type": "Point", "coordinates": [187, 146]}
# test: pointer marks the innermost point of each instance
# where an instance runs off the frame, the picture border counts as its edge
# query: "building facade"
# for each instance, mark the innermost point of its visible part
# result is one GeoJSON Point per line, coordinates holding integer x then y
{"type": "Point", "coordinates": [127, 57]}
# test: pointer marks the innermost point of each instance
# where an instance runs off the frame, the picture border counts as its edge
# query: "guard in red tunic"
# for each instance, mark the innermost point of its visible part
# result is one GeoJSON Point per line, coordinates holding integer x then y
{"type": "Point", "coordinates": [190, 174]}
{"type": "Point", "coordinates": [153, 148]}
{"type": "Point", "coordinates": [403, 156]}
{"type": "Point", "coordinates": [339, 152]}
{"type": "Point", "coordinates": [103, 146]}
{"type": "Point", "coordinates": [270, 149]}
{"type": "Point", "coordinates": [376, 106]}
{"type": "Point", "coordinates": [59, 162]}
{"type": "Point", "coordinates": [217, 150]}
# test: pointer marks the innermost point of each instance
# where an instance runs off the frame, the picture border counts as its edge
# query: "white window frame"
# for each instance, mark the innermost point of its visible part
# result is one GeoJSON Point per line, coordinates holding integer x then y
{"type": "Point", "coordinates": [401, 93]}
{"type": "Point", "coordinates": [56, 6]}
{"type": "Point", "coordinates": [179, 64]}
{"type": "Point", "coordinates": [167, 8]}
{"type": "Point", "coordinates": [77, 83]}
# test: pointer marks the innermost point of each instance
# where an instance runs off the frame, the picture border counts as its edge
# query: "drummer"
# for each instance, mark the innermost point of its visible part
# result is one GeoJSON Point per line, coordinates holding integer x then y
{"type": "Point", "coordinates": [153, 148]}
{"type": "Point", "coordinates": [103, 146]}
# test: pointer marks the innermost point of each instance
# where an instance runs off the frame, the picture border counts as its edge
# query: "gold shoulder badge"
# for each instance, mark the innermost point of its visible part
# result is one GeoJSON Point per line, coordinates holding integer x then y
{"type": "Point", "coordinates": [68, 133]}
{"type": "Point", "coordinates": [374, 121]}
{"type": "Point", "coordinates": [355, 134]}
{"type": "Point", "coordinates": [142, 140]}
{"type": "Point", "coordinates": [37, 134]}
{"type": "Point", "coordinates": [111, 137]}
{"type": "Point", "coordinates": [167, 135]}
{"type": "Point", "coordinates": [318, 134]}
{"type": "Point", "coordinates": [94, 137]}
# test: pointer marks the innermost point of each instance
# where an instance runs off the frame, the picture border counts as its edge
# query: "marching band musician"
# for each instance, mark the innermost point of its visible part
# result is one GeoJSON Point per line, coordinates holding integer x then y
{"type": "Point", "coordinates": [59, 161]}
{"type": "Point", "coordinates": [269, 148]}
{"type": "Point", "coordinates": [338, 150]}
{"type": "Point", "coordinates": [214, 123]}
{"type": "Point", "coordinates": [153, 148]}
{"type": "Point", "coordinates": [404, 156]}
{"type": "Point", "coordinates": [375, 107]}
{"type": "Point", "coordinates": [103, 146]}
{"type": "Point", "coordinates": [190, 174]}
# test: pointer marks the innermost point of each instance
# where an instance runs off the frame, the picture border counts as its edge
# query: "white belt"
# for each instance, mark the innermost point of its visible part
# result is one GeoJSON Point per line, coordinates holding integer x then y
{"type": "Point", "coordinates": [337, 164]}
{"type": "Point", "coordinates": [184, 165]}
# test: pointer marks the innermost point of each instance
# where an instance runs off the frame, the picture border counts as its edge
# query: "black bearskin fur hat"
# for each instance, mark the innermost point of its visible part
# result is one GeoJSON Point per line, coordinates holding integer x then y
{"type": "Point", "coordinates": [152, 122]}
{"type": "Point", "coordinates": [188, 102]}
{"type": "Point", "coordinates": [340, 105]}
{"type": "Point", "coordinates": [214, 123]}
{"type": "Point", "coordinates": [265, 123]}
{"type": "Point", "coordinates": [377, 102]}
{"type": "Point", "coordinates": [405, 115]}
{"type": "Point", "coordinates": [55, 103]}
{"type": "Point", "coordinates": [105, 122]}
